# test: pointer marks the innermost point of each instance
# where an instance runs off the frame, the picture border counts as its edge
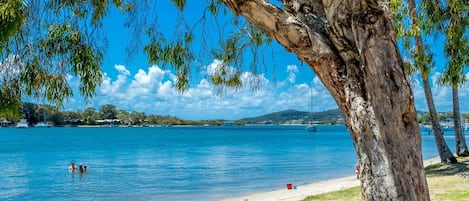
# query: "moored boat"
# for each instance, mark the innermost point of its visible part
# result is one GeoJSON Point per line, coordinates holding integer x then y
{"type": "Point", "coordinates": [22, 124]}
{"type": "Point", "coordinates": [311, 128]}
{"type": "Point", "coordinates": [42, 124]}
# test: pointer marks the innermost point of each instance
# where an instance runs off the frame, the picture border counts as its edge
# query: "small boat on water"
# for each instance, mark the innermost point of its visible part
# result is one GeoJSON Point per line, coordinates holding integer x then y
{"type": "Point", "coordinates": [311, 128]}
{"type": "Point", "coordinates": [42, 125]}
{"type": "Point", "coordinates": [22, 124]}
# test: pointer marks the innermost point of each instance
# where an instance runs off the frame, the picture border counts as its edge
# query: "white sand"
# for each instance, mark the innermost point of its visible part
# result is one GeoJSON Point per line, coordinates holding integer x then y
{"type": "Point", "coordinates": [301, 192]}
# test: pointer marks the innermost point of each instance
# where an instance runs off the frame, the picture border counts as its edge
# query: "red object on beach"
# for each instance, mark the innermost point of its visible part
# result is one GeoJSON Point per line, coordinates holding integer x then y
{"type": "Point", "coordinates": [289, 186]}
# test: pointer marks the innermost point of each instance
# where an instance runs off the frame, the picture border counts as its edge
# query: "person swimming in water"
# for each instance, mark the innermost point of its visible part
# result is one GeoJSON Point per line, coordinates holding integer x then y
{"type": "Point", "coordinates": [72, 167]}
{"type": "Point", "coordinates": [83, 169]}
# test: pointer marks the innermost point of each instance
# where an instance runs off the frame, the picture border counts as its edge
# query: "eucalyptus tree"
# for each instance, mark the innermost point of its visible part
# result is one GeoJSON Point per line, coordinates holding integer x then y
{"type": "Point", "coordinates": [457, 50]}
{"type": "Point", "coordinates": [43, 43]}
{"type": "Point", "coordinates": [350, 45]}
{"type": "Point", "coordinates": [11, 19]}
{"type": "Point", "coordinates": [421, 61]}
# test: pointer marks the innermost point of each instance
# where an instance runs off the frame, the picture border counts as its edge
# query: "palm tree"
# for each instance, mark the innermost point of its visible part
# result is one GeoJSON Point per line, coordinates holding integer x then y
{"type": "Point", "coordinates": [423, 64]}
{"type": "Point", "coordinates": [457, 49]}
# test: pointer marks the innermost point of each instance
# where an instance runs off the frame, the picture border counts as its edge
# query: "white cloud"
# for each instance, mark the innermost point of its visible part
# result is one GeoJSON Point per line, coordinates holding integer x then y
{"type": "Point", "coordinates": [442, 95]}
{"type": "Point", "coordinates": [108, 86]}
{"type": "Point", "coordinates": [147, 83]}
{"type": "Point", "coordinates": [151, 90]}
{"type": "Point", "coordinates": [122, 70]}
{"type": "Point", "coordinates": [317, 81]}
{"type": "Point", "coordinates": [292, 68]}
{"type": "Point", "coordinates": [434, 78]}
{"type": "Point", "coordinates": [292, 71]}
{"type": "Point", "coordinates": [217, 66]}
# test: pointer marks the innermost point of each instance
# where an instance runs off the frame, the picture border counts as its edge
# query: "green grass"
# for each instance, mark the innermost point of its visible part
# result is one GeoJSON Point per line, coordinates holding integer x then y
{"type": "Point", "coordinates": [444, 182]}
{"type": "Point", "coordinates": [448, 188]}
{"type": "Point", "coordinates": [350, 194]}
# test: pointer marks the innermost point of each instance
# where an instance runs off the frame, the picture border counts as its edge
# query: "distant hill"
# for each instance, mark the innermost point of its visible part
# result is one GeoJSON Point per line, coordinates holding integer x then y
{"type": "Point", "coordinates": [294, 116]}
{"type": "Point", "coordinates": [300, 117]}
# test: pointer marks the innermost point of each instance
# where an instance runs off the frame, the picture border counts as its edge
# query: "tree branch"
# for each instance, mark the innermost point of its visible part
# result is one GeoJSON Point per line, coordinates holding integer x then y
{"type": "Point", "coordinates": [288, 30]}
{"type": "Point", "coordinates": [309, 44]}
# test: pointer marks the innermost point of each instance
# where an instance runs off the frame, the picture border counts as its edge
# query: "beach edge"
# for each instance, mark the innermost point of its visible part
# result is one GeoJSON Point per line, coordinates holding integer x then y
{"type": "Point", "coordinates": [315, 188]}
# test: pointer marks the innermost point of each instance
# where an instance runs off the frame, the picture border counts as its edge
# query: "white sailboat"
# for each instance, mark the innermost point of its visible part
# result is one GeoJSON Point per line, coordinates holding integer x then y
{"type": "Point", "coordinates": [44, 122]}
{"type": "Point", "coordinates": [311, 127]}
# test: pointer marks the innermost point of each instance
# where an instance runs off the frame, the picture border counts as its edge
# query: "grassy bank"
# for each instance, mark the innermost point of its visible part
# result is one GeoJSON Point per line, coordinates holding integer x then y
{"type": "Point", "coordinates": [445, 183]}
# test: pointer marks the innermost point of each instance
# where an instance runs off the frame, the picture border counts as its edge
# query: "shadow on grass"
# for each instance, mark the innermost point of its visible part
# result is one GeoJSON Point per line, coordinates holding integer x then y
{"type": "Point", "coordinates": [443, 169]}
{"type": "Point", "coordinates": [445, 190]}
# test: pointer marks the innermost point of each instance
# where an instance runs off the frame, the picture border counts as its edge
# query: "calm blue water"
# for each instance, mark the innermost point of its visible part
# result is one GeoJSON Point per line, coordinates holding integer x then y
{"type": "Point", "coordinates": [178, 163]}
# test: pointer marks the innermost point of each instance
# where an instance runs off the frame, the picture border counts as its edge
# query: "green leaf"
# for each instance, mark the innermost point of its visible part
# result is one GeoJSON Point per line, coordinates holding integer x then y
{"type": "Point", "coordinates": [180, 4]}
{"type": "Point", "coordinates": [11, 20]}
{"type": "Point", "coordinates": [214, 7]}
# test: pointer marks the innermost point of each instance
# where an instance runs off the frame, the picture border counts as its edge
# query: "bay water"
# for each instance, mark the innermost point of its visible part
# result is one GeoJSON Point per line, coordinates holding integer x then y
{"type": "Point", "coordinates": [172, 163]}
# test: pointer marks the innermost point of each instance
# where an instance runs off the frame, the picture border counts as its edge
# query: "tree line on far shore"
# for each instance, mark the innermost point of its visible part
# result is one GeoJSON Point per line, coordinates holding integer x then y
{"type": "Point", "coordinates": [107, 114]}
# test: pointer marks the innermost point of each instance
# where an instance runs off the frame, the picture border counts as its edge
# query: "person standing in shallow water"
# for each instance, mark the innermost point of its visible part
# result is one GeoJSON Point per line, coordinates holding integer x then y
{"type": "Point", "coordinates": [72, 167]}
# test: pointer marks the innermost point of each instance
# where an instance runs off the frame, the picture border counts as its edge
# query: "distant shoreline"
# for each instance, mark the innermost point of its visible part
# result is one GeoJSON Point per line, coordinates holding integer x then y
{"type": "Point", "coordinates": [182, 125]}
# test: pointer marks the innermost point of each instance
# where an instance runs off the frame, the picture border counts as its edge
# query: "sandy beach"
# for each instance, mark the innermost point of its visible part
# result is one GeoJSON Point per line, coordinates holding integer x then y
{"type": "Point", "coordinates": [301, 192]}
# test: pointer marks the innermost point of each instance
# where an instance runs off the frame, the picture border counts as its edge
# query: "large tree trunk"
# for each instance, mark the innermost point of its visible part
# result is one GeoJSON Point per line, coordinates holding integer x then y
{"type": "Point", "coordinates": [445, 153]}
{"type": "Point", "coordinates": [461, 147]}
{"type": "Point", "coordinates": [356, 57]}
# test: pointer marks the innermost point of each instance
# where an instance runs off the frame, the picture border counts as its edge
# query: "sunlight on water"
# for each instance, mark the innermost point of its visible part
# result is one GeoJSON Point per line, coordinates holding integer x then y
{"type": "Point", "coordinates": [194, 163]}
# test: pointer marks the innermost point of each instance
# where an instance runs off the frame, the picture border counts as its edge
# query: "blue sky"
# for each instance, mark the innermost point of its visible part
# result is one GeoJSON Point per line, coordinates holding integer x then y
{"type": "Point", "coordinates": [134, 85]}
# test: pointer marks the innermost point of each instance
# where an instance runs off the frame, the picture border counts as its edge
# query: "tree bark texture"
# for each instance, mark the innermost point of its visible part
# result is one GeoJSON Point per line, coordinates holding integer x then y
{"type": "Point", "coordinates": [444, 152]}
{"type": "Point", "coordinates": [461, 147]}
{"type": "Point", "coordinates": [351, 47]}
